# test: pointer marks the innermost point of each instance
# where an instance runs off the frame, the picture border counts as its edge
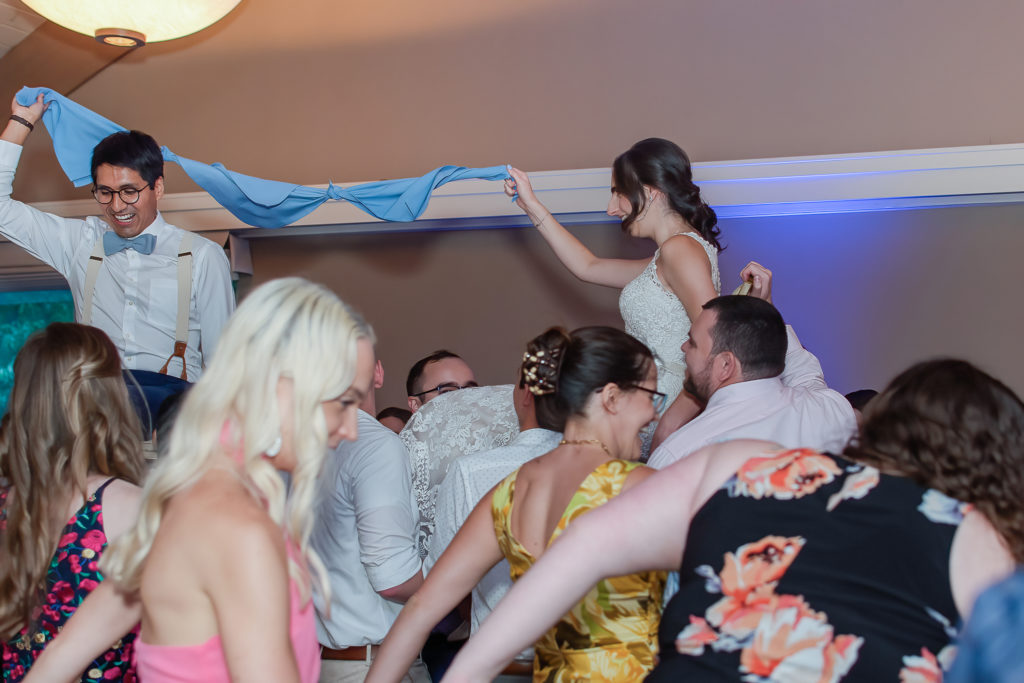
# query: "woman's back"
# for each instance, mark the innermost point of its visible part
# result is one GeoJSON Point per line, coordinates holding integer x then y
{"type": "Point", "coordinates": [72, 575]}
{"type": "Point", "coordinates": [180, 620]}
{"type": "Point", "coordinates": [806, 566]}
{"type": "Point", "coordinates": [610, 635]}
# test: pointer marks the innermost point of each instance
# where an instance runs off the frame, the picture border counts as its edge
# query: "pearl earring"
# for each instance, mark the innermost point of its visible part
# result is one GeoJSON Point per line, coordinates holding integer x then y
{"type": "Point", "coordinates": [274, 449]}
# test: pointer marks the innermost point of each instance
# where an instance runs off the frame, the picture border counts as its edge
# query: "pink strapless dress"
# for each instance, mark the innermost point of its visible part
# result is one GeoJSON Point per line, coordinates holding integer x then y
{"type": "Point", "coordinates": [205, 663]}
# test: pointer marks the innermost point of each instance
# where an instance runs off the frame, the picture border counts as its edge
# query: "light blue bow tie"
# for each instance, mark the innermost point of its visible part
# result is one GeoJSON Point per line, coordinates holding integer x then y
{"type": "Point", "coordinates": [113, 243]}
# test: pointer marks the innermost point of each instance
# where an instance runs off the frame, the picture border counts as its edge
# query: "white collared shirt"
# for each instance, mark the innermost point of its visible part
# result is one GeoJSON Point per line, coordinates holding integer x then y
{"type": "Point", "coordinates": [136, 297]}
{"type": "Point", "coordinates": [469, 478]}
{"type": "Point", "coordinates": [796, 409]}
{"type": "Point", "coordinates": [364, 533]}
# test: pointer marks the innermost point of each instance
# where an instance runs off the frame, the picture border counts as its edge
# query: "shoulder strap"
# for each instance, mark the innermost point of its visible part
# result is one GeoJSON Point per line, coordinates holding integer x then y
{"type": "Point", "coordinates": [92, 271]}
{"type": "Point", "coordinates": [98, 493]}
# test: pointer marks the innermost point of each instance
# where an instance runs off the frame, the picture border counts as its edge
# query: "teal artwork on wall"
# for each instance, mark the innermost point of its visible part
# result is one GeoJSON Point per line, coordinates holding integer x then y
{"type": "Point", "coordinates": [21, 314]}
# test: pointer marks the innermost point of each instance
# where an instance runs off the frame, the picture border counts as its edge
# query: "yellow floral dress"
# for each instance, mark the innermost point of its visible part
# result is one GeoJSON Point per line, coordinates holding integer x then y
{"type": "Point", "coordinates": [611, 635]}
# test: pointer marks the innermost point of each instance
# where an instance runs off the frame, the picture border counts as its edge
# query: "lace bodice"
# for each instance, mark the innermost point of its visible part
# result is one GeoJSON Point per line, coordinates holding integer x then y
{"type": "Point", "coordinates": [450, 426]}
{"type": "Point", "coordinates": [655, 316]}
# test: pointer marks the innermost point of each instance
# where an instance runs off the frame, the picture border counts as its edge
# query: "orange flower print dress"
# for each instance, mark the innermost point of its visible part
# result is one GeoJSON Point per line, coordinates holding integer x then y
{"type": "Point", "coordinates": [807, 567]}
{"type": "Point", "coordinates": [611, 635]}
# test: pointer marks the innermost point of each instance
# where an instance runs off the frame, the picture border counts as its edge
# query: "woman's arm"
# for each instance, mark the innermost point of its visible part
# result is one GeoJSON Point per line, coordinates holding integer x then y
{"type": "Point", "coordinates": [978, 559]}
{"type": "Point", "coordinates": [642, 529]}
{"type": "Point", "coordinates": [580, 261]}
{"type": "Point", "coordinates": [106, 615]}
{"type": "Point", "coordinates": [472, 552]}
{"type": "Point", "coordinates": [685, 268]}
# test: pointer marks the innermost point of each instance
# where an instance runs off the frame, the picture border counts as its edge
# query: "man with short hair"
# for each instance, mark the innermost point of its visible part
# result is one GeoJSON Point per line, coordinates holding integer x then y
{"type": "Point", "coordinates": [364, 533]}
{"type": "Point", "coordinates": [758, 382]}
{"type": "Point", "coordinates": [440, 372]}
{"type": "Point", "coordinates": [127, 270]}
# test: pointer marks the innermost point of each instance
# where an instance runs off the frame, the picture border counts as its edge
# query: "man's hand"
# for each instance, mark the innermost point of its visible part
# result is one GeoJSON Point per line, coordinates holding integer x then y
{"type": "Point", "coordinates": [760, 279]}
{"type": "Point", "coordinates": [16, 131]}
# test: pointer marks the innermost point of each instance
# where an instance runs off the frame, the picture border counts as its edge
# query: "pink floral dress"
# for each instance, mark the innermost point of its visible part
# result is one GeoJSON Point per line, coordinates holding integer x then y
{"type": "Point", "coordinates": [72, 575]}
{"type": "Point", "coordinates": [810, 567]}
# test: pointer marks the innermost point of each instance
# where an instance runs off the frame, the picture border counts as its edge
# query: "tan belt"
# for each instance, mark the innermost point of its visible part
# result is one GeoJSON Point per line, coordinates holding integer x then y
{"type": "Point", "coordinates": [358, 653]}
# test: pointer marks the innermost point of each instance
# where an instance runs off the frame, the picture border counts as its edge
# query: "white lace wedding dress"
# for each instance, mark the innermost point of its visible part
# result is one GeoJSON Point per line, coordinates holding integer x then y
{"type": "Point", "coordinates": [449, 426]}
{"type": "Point", "coordinates": [655, 316]}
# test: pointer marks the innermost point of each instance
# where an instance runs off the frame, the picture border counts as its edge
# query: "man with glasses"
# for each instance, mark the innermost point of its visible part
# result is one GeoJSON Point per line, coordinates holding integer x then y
{"type": "Point", "coordinates": [128, 270]}
{"type": "Point", "coordinates": [439, 373]}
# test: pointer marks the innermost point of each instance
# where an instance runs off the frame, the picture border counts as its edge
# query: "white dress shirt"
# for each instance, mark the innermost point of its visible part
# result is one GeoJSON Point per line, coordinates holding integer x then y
{"type": "Point", "coordinates": [364, 534]}
{"type": "Point", "coordinates": [796, 409]}
{"type": "Point", "coordinates": [469, 478]}
{"type": "Point", "coordinates": [136, 297]}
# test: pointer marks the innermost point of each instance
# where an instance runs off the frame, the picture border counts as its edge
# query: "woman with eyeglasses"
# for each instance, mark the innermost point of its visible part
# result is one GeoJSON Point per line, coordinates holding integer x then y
{"type": "Point", "coordinates": [654, 196]}
{"type": "Point", "coordinates": [596, 385]}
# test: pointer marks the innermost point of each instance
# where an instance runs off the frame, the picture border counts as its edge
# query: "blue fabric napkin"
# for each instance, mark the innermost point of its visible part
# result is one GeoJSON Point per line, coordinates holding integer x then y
{"type": "Point", "coordinates": [263, 203]}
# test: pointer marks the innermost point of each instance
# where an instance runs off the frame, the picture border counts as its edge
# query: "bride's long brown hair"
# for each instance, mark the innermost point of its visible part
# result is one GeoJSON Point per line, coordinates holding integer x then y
{"type": "Point", "coordinates": [69, 417]}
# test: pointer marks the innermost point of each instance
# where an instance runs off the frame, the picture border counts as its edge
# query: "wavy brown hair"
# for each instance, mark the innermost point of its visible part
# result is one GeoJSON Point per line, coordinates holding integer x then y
{"type": "Point", "coordinates": [69, 417]}
{"type": "Point", "coordinates": [953, 428]}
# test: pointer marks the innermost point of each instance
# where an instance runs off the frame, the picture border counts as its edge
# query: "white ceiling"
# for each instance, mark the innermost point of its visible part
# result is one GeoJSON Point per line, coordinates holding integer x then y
{"type": "Point", "coordinates": [16, 22]}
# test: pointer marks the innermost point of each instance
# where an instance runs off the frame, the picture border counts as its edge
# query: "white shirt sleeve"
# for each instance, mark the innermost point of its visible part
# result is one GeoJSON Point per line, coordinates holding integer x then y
{"type": "Point", "coordinates": [803, 369]}
{"type": "Point", "coordinates": [383, 512]}
{"type": "Point", "coordinates": [214, 296]}
{"type": "Point", "coordinates": [51, 239]}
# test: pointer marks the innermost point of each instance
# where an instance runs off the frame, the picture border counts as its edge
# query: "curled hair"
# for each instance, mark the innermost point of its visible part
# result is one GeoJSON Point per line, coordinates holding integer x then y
{"type": "Point", "coordinates": [663, 165]}
{"type": "Point", "coordinates": [130, 149]}
{"type": "Point", "coordinates": [953, 428]}
{"type": "Point", "coordinates": [285, 329]}
{"type": "Point", "coordinates": [576, 364]}
{"type": "Point", "coordinates": [69, 417]}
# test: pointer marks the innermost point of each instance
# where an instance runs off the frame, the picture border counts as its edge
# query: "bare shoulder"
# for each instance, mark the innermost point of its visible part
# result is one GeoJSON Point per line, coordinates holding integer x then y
{"type": "Point", "coordinates": [219, 510]}
{"type": "Point", "coordinates": [120, 507]}
{"type": "Point", "coordinates": [637, 476]}
{"type": "Point", "coordinates": [683, 251]}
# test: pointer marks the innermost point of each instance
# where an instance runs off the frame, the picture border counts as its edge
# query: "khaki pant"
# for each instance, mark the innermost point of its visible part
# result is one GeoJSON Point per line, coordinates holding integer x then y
{"type": "Point", "coordinates": [337, 671]}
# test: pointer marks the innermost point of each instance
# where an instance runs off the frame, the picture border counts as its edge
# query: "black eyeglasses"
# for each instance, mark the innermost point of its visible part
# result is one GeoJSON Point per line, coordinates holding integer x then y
{"type": "Point", "coordinates": [658, 399]}
{"type": "Point", "coordinates": [446, 388]}
{"type": "Point", "coordinates": [129, 195]}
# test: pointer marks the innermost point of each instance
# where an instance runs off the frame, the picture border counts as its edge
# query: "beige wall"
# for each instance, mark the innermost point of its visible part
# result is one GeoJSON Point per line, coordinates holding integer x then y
{"type": "Point", "coordinates": [317, 90]}
{"type": "Point", "coordinates": [869, 293]}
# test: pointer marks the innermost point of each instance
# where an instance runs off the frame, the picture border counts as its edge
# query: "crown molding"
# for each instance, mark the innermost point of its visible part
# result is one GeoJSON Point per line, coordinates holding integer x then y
{"type": "Point", "coordinates": [824, 184]}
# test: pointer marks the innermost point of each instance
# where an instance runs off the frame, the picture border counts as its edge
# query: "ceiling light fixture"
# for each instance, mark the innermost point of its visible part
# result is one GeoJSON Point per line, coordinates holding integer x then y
{"type": "Point", "coordinates": [133, 23]}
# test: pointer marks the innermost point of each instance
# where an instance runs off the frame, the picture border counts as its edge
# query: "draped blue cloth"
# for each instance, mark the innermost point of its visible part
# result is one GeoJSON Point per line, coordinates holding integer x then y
{"type": "Point", "coordinates": [75, 130]}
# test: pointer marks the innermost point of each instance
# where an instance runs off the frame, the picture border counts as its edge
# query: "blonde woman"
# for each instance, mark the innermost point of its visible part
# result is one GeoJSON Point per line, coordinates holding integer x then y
{"type": "Point", "coordinates": [218, 567]}
{"type": "Point", "coordinates": [70, 460]}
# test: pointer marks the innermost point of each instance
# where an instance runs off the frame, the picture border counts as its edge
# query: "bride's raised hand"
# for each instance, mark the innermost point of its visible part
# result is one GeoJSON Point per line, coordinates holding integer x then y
{"type": "Point", "coordinates": [518, 186]}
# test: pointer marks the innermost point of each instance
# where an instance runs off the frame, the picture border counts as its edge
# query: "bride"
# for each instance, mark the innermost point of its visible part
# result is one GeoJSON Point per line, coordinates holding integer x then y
{"type": "Point", "coordinates": [654, 196]}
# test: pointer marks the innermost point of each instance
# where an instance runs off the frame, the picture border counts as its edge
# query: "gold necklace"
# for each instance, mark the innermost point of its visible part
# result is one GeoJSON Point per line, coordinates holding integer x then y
{"type": "Point", "coordinates": [586, 442]}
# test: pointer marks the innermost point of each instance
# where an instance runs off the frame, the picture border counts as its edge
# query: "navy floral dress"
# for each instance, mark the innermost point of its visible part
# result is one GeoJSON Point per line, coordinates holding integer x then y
{"type": "Point", "coordinates": [810, 567]}
{"type": "Point", "coordinates": [72, 575]}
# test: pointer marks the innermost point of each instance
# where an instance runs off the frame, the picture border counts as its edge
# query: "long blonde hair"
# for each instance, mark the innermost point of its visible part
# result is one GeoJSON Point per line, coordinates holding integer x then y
{"type": "Point", "coordinates": [288, 328]}
{"type": "Point", "coordinates": [69, 417]}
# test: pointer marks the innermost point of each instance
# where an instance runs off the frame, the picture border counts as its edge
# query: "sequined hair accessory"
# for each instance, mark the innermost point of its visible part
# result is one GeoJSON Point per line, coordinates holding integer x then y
{"type": "Point", "coordinates": [540, 371]}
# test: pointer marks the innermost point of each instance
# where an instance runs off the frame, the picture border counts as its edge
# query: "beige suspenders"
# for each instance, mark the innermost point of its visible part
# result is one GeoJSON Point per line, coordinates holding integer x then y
{"type": "Point", "coordinates": [92, 271]}
{"type": "Point", "coordinates": [184, 299]}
